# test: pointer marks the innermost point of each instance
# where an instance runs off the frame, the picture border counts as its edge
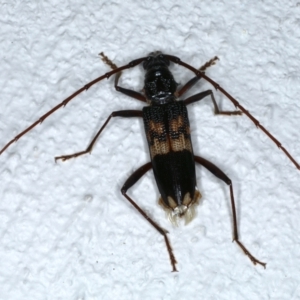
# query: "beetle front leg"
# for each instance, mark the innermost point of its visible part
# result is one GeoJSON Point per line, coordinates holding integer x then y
{"type": "Point", "coordinates": [194, 80]}
{"type": "Point", "coordinates": [218, 173]}
{"type": "Point", "coordinates": [127, 92]}
{"type": "Point", "coordinates": [120, 113]}
{"type": "Point", "coordinates": [128, 184]}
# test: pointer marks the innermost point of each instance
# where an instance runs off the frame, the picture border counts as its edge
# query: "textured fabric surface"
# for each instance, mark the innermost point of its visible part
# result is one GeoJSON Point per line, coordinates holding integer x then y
{"type": "Point", "coordinates": [66, 232]}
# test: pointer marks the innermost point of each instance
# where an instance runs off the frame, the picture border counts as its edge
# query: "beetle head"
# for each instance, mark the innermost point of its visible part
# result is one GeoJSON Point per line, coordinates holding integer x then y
{"type": "Point", "coordinates": [160, 85]}
{"type": "Point", "coordinates": [155, 59]}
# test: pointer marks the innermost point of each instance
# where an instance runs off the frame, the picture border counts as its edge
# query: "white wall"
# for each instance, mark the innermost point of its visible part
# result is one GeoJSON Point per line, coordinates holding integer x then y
{"type": "Point", "coordinates": [66, 232]}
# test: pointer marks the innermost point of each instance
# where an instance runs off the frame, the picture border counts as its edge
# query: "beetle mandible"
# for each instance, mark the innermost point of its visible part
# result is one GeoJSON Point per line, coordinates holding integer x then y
{"type": "Point", "coordinates": [168, 135]}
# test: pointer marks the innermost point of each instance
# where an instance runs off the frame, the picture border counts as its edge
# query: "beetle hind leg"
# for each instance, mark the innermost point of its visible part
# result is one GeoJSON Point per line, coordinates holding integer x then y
{"type": "Point", "coordinates": [218, 173]}
{"type": "Point", "coordinates": [128, 184]}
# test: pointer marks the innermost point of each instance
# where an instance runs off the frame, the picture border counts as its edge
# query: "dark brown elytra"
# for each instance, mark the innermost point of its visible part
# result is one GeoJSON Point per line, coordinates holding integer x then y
{"type": "Point", "coordinates": [168, 134]}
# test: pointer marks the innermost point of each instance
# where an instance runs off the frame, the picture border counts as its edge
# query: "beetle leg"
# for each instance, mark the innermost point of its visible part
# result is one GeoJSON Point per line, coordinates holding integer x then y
{"type": "Point", "coordinates": [202, 95]}
{"type": "Point", "coordinates": [120, 113]}
{"type": "Point", "coordinates": [194, 80]}
{"type": "Point", "coordinates": [128, 184]}
{"type": "Point", "coordinates": [127, 92]}
{"type": "Point", "coordinates": [68, 99]}
{"type": "Point", "coordinates": [198, 73]}
{"type": "Point", "coordinates": [218, 173]}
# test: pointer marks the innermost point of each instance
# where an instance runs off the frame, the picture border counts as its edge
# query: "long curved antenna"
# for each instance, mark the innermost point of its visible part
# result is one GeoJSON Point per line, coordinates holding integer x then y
{"type": "Point", "coordinates": [67, 100]}
{"type": "Point", "coordinates": [235, 103]}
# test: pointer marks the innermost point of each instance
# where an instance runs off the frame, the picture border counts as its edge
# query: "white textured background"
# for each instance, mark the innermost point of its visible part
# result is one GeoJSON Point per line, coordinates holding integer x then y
{"type": "Point", "coordinates": [65, 230]}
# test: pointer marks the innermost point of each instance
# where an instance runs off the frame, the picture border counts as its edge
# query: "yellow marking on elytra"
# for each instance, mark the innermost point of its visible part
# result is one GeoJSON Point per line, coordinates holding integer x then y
{"type": "Point", "coordinates": [181, 143]}
{"type": "Point", "coordinates": [159, 128]}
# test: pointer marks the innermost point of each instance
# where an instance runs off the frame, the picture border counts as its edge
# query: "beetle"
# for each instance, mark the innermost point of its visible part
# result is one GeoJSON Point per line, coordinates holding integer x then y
{"type": "Point", "coordinates": [167, 131]}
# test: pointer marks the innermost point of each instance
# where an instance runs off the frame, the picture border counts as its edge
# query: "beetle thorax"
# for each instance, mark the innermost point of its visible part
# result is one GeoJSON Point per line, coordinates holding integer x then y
{"type": "Point", "coordinates": [160, 85]}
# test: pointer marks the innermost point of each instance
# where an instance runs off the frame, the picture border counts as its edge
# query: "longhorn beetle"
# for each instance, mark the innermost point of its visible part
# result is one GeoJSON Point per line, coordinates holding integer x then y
{"type": "Point", "coordinates": [168, 134]}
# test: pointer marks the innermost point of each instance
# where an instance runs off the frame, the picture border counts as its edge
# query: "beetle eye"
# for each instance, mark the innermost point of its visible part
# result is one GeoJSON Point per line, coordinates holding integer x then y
{"type": "Point", "coordinates": [147, 62]}
{"type": "Point", "coordinates": [164, 60]}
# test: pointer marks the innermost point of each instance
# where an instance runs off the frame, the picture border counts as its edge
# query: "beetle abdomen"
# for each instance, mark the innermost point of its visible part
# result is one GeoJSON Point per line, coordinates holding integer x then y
{"type": "Point", "coordinates": [168, 135]}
